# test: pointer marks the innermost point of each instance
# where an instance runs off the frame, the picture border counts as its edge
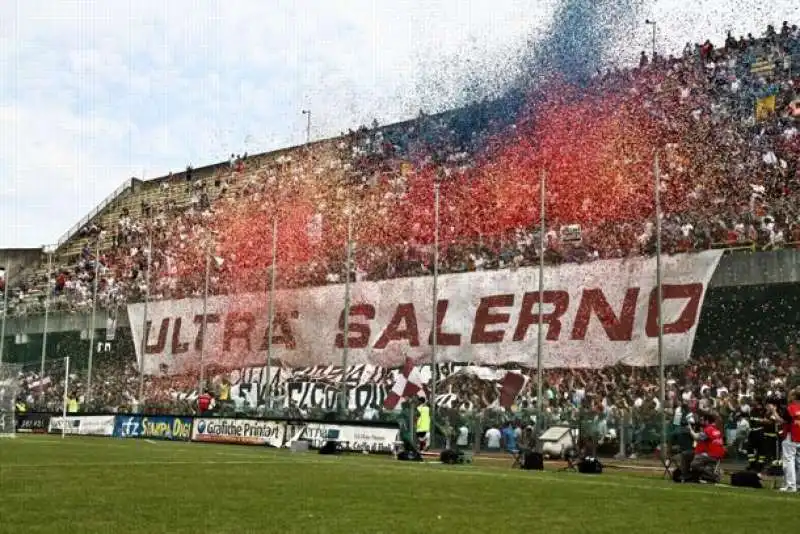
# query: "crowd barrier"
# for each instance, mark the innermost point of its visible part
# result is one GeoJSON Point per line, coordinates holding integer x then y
{"type": "Point", "coordinates": [362, 437]}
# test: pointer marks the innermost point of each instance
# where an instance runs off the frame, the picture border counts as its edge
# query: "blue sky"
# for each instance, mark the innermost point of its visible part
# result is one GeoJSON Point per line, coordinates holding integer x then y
{"type": "Point", "coordinates": [93, 92]}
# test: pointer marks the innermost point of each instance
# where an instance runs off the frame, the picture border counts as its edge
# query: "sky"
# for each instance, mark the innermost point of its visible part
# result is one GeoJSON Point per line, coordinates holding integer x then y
{"type": "Point", "coordinates": [94, 92]}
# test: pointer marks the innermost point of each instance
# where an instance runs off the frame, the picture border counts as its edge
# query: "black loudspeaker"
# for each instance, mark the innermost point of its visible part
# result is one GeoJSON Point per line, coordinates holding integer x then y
{"type": "Point", "coordinates": [590, 466]}
{"type": "Point", "coordinates": [330, 447]}
{"type": "Point", "coordinates": [409, 456]}
{"type": "Point", "coordinates": [532, 461]}
{"type": "Point", "coordinates": [746, 479]}
{"type": "Point", "coordinates": [451, 457]}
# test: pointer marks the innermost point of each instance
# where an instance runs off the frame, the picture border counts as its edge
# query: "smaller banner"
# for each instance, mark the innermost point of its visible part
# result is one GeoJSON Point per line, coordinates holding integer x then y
{"type": "Point", "coordinates": [164, 427]}
{"type": "Point", "coordinates": [245, 431]}
{"type": "Point", "coordinates": [33, 423]}
{"type": "Point", "coordinates": [83, 425]}
{"type": "Point", "coordinates": [351, 437]}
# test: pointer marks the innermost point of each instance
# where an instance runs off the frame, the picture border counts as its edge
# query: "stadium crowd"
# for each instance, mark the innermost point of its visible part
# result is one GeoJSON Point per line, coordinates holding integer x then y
{"type": "Point", "coordinates": [726, 117]}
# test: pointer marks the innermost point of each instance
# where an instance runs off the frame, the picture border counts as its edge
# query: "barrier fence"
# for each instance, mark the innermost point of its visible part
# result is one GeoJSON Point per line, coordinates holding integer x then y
{"type": "Point", "coordinates": [626, 436]}
{"type": "Point", "coordinates": [363, 437]}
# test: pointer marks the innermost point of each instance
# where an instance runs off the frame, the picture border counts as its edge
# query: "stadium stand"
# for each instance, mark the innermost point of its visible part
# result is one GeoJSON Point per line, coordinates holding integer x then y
{"type": "Point", "coordinates": [728, 117]}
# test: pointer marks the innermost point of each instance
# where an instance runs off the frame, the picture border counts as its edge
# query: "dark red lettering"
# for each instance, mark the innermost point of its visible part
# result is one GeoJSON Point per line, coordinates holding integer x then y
{"type": "Point", "coordinates": [688, 317]}
{"type": "Point", "coordinates": [282, 333]}
{"type": "Point", "coordinates": [158, 348]}
{"type": "Point", "coordinates": [361, 330]}
{"type": "Point", "coordinates": [484, 317]}
{"type": "Point", "coordinates": [403, 315]}
{"type": "Point", "coordinates": [617, 328]}
{"type": "Point", "coordinates": [211, 318]}
{"type": "Point", "coordinates": [443, 338]}
{"type": "Point", "coordinates": [238, 325]}
{"type": "Point", "coordinates": [177, 346]}
{"type": "Point", "coordinates": [527, 317]}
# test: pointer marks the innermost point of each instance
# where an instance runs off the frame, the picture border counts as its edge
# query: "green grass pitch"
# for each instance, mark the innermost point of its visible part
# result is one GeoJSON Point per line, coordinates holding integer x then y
{"type": "Point", "coordinates": [95, 485]}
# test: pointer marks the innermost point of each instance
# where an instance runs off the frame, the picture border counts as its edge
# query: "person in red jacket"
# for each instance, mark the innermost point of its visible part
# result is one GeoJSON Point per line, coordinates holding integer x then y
{"type": "Point", "coordinates": [791, 442]}
{"type": "Point", "coordinates": [709, 450]}
{"type": "Point", "coordinates": [204, 403]}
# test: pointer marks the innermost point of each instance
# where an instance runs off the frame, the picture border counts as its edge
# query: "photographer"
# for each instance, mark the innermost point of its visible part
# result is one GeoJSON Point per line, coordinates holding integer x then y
{"type": "Point", "coordinates": [709, 449]}
{"type": "Point", "coordinates": [791, 441]}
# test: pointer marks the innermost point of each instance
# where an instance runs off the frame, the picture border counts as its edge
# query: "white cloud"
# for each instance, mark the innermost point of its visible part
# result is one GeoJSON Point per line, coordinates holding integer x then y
{"type": "Point", "coordinates": [93, 92]}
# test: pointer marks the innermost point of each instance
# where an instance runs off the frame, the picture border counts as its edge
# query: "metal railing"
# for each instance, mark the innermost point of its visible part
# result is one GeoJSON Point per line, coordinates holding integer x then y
{"type": "Point", "coordinates": [127, 184]}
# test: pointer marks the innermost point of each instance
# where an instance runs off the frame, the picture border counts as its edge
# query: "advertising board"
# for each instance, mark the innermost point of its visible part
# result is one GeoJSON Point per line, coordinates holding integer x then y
{"type": "Point", "coordinates": [243, 431]}
{"type": "Point", "coordinates": [83, 425]}
{"type": "Point", "coordinates": [153, 427]}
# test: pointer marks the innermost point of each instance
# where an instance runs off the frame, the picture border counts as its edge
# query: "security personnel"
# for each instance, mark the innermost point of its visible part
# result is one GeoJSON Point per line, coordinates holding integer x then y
{"type": "Point", "coordinates": [20, 407]}
{"type": "Point", "coordinates": [72, 404]}
{"type": "Point", "coordinates": [423, 425]}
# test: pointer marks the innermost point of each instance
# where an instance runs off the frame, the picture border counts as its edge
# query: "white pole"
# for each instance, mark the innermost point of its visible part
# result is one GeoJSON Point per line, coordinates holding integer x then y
{"type": "Point", "coordinates": [5, 313]}
{"type": "Point", "coordinates": [307, 112]}
{"type": "Point", "coordinates": [271, 311]}
{"type": "Point", "coordinates": [66, 399]}
{"type": "Point", "coordinates": [205, 323]}
{"type": "Point", "coordinates": [346, 346]}
{"type": "Point", "coordinates": [434, 340]}
{"type": "Point", "coordinates": [540, 340]}
{"type": "Point", "coordinates": [662, 386]}
{"type": "Point", "coordinates": [92, 326]}
{"type": "Point", "coordinates": [143, 342]}
{"type": "Point", "coordinates": [46, 314]}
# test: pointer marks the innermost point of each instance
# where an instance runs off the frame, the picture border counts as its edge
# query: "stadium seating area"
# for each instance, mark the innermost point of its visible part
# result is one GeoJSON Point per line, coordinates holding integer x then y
{"type": "Point", "coordinates": [725, 117]}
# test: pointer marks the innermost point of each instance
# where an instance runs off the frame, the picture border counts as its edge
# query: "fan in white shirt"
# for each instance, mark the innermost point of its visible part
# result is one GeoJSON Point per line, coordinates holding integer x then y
{"type": "Point", "coordinates": [493, 438]}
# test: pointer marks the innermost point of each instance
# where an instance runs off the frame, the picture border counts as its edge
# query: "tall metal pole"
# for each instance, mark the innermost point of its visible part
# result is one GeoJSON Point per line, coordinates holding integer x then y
{"type": "Point", "coordinates": [662, 385]}
{"type": "Point", "coordinates": [66, 398]}
{"type": "Point", "coordinates": [346, 345]}
{"type": "Point", "coordinates": [271, 312]}
{"type": "Point", "coordinates": [6, 283]}
{"type": "Point", "coordinates": [91, 326]}
{"type": "Point", "coordinates": [434, 340]}
{"type": "Point", "coordinates": [307, 113]}
{"type": "Point", "coordinates": [143, 346]}
{"type": "Point", "coordinates": [46, 314]}
{"type": "Point", "coordinates": [200, 385]}
{"type": "Point", "coordinates": [653, 24]}
{"type": "Point", "coordinates": [540, 339]}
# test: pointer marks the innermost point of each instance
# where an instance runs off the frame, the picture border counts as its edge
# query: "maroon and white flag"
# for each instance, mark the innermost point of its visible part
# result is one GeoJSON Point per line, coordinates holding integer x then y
{"type": "Point", "coordinates": [407, 384]}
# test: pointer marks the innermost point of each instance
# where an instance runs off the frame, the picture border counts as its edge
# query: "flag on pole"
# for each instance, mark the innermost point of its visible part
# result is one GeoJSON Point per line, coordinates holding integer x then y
{"type": "Point", "coordinates": [510, 386]}
{"type": "Point", "coordinates": [407, 384]}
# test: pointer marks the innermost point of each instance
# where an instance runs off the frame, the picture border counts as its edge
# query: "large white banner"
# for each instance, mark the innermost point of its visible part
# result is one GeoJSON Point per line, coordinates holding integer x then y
{"type": "Point", "coordinates": [596, 315]}
{"type": "Point", "coordinates": [351, 437]}
{"type": "Point", "coordinates": [83, 425]}
{"type": "Point", "coordinates": [244, 431]}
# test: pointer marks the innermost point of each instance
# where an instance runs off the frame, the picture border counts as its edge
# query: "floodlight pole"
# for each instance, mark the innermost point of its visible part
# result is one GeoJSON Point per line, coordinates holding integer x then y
{"type": "Point", "coordinates": [93, 316]}
{"type": "Point", "coordinates": [660, 297]}
{"type": "Point", "coordinates": [653, 24]}
{"type": "Point", "coordinates": [434, 340]}
{"type": "Point", "coordinates": [271, 312]}
{"type": "Point", "coordinates": [205, 323]}
{"type": "Point", "coordinates": [307, 113]}
{"type": "Point", "coordinates": [145, 329]}
{"type": "Point", "coordinates": [540, 338]}
{"type": "Point", "coordinates": [46, 315]}
{"type": "Point", "coordinates": [5, 313]}
{"type": "Point", "coordinates": [346, 345]}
